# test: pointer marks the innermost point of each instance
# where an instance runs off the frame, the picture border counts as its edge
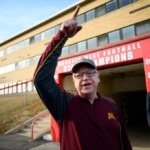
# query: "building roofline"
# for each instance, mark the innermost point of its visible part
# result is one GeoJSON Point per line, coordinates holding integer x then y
{"type": "Point", "coordinates": [44, 20]}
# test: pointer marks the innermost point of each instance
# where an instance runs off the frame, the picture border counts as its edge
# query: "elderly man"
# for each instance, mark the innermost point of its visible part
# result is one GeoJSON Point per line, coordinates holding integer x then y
{"type": "Point", "coordinates": [87, 120]}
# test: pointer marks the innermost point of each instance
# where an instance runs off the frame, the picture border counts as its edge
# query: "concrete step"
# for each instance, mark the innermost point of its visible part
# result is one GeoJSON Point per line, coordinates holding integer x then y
{"type": "Point", "coordinates": [41, 127]}
{"type": "Point", "coordinates": [24, 134]}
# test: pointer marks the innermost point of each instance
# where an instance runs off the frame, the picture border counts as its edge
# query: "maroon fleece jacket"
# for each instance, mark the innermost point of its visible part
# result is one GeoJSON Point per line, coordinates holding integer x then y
{"type": "Point", "coordinates": [83, 126]}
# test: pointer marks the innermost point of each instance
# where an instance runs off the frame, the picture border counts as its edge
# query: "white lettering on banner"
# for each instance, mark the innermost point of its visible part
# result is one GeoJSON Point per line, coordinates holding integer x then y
{"type": "Point", "coordinates": [147, 61]}
{"type": "Point", "coordinates": [121, 49]}
{"type": "Point", "coordinates": [68, 61]}
{"type": "Point", "coordinates": [67, 68]}
{"type": "Point", "coordinates": [104, 57]}
{"type": "Point", "coordinates": [115, 58]}
{"type": "Point", "coordinates": [148, 75]}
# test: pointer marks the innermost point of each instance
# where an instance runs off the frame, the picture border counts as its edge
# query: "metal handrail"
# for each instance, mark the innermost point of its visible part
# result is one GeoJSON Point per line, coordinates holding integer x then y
{"type": "Point", "coordinates": [35, 119]}
{"type": "Point", "coordinates": [17, 114]}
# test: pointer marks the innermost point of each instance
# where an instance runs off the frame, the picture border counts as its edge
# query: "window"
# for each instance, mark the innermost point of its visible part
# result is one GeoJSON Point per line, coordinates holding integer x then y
{"type": "Point", "coordinates": [26, 42]}
{"type": "Point", "coordinates": [21, 45]}
{"type": "Point", "coordinates": [42, 35]}
{"type": "Point", "coordinates": [19, 87]}
{"type": "Point", "coordinates": [90, 15]}
{"type": "Point", "coordinates": [114, 36]}
{"type": "Point", "coordinates": [81, 19]}
{"type": "Point", "coordinates": [22, 64]}
{"type": "Point", "coordinates": [10, 88]}
{"type": "Point", "coordinates": [143, 27]}
{"type": "Point", "coordinates": [81, 46]}
{"type": "Point", "coordinates": [34, 60]}
{"type": "Point", "coordinates": [9, 68]}
{"type": "Point", "coordinates": [52, 32]}
{"type": "Point", "coordinates": [24, 85]}
{"type": "Point", "coordinates": [47, 33]}
{"type": "Point", "coordinates": [9, 50]}
{"type": "Point", "coordinates": [92, 43]}
{"type": "Point", "coordinates": [6, 88]}
{"type": "Point", "coordinates": [124, 2]}
{"type": "Point", "coordinates": [29, 86]}
{"type": "Point", "coordinates": [72, 48]}
{"type": "Point", "coordinates": [14, 87]}
{"type": "Point", "coordinates": [16, 46]}
{"type": "Point", "coordinates": [102, 40]}
{"type": "Point", "coordinates": [37, 37]}
{"type": "Point", "coordinates": [32, 40]}
{"type": "Point", "coordinates": [1, 70]}
{"type": "Point", "coordinates": [65, 51]}
{"type": "Point", "coordinates": [34, 88]}
{"type": "Point", "coordinates": [2, 53]}
{"type": "Point", "coordinates": [100, 11]}
{"type": "Point", "coordinates": [111, 6]}
{"type": "Point", "coordinates": [57, 28]}
{"type": "Point", "coordinates": [2, 91]}
{"type": "Point", "coordinates": [128, 32]}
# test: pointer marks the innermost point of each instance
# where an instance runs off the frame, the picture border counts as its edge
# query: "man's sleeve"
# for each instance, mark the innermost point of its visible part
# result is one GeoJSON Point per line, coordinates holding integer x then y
{"type": "Point", "coordinates": [52, 96]}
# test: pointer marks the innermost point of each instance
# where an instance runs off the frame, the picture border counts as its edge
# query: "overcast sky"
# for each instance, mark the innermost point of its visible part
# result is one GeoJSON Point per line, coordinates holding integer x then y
{"type": "Point", "coordinates": [18, 15]}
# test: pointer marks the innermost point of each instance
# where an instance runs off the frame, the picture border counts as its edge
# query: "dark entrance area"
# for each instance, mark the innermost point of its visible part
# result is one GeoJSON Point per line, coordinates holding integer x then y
{"type": "Point", "coordinates": [133, 107]}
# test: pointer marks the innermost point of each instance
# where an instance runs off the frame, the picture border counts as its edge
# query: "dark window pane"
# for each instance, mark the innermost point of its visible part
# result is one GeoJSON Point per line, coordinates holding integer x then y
{"type": "Point", "coordinates": [111, 6]}
{"type": "Point", "coordinates": [92, 43]}
{"type": "Point", "coordinates": [100, 11]}
{"type": "Point", "coordinates": [32, 40]}
{"type": "Point", "coordinates": [124, 2]}
{"type": "Point", "coordinates": [102, 40]}
{"type": "Point", "coordinates": [81, 46]}
{"type": "Point", "coordinates": [143, 27]}
{"type": "Point", "coordinates": [72, 48]}
{"type": "Point", "coordinates": [90, 15]}
{"type": "Point", "coordinates": [128, 32]}
{"type": "Point", "coordinates": [81, 19]}
{"type": "Point", "coordinates": [135, 0]}
{"type": "Point", "coordinates": [114, 36]}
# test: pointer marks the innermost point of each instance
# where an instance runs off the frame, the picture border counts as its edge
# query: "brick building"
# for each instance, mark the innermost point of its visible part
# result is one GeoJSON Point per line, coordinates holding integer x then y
{"type": "Point", "coordinates": [115, 34]}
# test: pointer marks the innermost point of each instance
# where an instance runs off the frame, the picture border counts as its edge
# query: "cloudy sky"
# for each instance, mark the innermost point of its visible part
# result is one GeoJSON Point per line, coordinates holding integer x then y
{"type": "Point", "coordinates": [18, 15]}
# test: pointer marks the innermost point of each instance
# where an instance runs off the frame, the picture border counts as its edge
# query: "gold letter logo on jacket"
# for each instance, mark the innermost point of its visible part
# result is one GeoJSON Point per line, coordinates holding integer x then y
{"type": "Point", "coordinates": [111, 116]}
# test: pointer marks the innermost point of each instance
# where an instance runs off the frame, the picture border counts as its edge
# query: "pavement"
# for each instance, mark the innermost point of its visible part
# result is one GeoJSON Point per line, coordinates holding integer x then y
{"type": "Point", "coordinates": [140, 140]}
{"type": "Point", "coordinates": [18, 142]}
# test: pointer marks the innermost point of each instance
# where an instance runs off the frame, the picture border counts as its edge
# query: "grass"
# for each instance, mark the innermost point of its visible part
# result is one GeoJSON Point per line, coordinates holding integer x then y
{"type": "Point", "coordinates": [10, 104]}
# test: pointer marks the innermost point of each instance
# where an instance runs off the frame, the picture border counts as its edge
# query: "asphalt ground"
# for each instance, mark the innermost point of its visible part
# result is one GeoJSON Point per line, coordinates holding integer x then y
{"type": "Point", "coordinates": [139, 136]}
{"type": "Point", "coordinates": [17, 142]}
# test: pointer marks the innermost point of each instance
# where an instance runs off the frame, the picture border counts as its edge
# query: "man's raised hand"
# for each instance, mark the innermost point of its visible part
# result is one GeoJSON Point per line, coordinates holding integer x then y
{"type": "Point", "coordinates": [70, 27]}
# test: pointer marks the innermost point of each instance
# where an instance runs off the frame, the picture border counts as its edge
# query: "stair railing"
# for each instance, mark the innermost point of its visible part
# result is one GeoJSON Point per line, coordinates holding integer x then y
{"type": "Point", "coordinates": [33, 106]}
{"type": "Point", "coordinates": [36, 119]}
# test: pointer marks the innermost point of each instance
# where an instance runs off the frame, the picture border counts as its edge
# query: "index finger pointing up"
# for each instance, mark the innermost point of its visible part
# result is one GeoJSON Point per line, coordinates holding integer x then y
{"type": "Point", "coordinates": [75, 14]}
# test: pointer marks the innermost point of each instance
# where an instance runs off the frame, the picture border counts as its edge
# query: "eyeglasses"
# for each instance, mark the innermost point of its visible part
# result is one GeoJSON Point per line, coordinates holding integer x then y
{"type": "Point", "coordinates": [89, 73]}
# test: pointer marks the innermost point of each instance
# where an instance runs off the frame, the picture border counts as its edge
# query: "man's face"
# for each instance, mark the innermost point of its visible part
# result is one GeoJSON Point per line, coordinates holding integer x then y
{"type": "Point", "coordinates": [86, 81]}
